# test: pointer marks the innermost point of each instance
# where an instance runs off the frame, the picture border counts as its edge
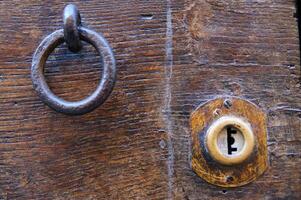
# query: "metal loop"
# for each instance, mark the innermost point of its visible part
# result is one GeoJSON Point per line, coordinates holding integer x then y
{"type": "Point", "coordinates": [72, 21]}
{"type": "Point", "coordinates": [103, 89]}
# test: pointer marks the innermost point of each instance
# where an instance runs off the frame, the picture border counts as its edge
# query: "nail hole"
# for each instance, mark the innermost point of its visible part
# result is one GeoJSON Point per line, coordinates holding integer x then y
{"type": "Point", "coordinates": [162, 144]}
{"type": "Point", "coordinates": [224, 191]}
{"type": "Point", "coordinates": [217, 112]}
{"type": "Point", "coordinates": [291, 66]}
{"type": "Point", "coordinates": [1, 77]}
{"type": "Point", "coordinates": [147, 16]}
{"type": "Point", "coordinates": [229, 179]}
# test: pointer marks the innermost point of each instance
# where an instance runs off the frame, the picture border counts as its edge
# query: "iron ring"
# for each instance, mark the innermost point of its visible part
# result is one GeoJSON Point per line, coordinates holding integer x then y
{"type": "Point", "coordinates": [104, 87]}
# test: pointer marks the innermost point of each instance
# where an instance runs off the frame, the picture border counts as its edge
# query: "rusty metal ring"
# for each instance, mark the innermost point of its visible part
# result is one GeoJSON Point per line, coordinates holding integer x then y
{"type": "Point", "coordinates": [102, 91]}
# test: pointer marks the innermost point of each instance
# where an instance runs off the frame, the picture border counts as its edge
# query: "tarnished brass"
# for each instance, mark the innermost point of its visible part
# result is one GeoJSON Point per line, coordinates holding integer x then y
{"type": "Point", "coordinates": [210, 123]}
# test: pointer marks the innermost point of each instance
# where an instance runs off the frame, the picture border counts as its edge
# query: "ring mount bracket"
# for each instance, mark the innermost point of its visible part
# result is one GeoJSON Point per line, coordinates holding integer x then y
{"type": "Point", "coordinates": [72, 20]}
{"type": "Point", "coordinates": [105, 85]}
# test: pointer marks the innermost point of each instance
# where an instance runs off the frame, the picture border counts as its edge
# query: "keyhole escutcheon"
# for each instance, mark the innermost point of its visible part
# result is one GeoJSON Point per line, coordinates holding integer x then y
{"type": "Point", "coordinates": [230, 140]}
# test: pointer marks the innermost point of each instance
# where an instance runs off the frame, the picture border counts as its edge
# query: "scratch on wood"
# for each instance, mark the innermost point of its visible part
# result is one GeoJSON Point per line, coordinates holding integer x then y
{"type": "Point", "coordinates": [167, 100]}
{"type": "Point", "coordinates": [285, 108]}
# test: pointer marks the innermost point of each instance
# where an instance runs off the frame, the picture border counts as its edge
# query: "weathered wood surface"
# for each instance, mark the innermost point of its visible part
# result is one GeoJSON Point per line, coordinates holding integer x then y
{"type": "Point", "coordinates": [171, 56]}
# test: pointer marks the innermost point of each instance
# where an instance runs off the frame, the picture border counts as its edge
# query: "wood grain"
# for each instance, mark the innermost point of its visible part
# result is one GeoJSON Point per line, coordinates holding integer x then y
{"type": "Point", "coordinates": [171, 56]}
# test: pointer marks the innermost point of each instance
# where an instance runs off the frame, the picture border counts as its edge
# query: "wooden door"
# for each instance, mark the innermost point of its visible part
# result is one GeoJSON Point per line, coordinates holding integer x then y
{"type": "Point", "coordinates": [171, 57]}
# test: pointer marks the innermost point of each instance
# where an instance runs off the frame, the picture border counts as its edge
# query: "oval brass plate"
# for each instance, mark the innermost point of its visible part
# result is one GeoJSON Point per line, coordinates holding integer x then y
{"type": "Point", "coordinates": [213, 171]}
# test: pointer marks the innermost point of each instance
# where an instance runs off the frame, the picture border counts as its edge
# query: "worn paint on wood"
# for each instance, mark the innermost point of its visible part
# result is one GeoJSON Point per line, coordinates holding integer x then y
{"type": "Point", "coordinates": [171, 56]}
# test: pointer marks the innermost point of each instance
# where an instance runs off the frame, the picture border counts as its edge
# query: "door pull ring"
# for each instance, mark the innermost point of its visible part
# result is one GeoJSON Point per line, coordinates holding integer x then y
{"type": "Point", "coordinates": [73, 33]}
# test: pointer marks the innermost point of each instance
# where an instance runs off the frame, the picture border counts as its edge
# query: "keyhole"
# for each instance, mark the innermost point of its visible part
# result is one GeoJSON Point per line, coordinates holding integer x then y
{"type": "Point", "coordinates": [231, 140]}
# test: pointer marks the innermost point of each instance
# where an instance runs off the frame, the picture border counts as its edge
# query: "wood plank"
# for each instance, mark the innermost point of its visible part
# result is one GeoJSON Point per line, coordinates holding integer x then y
{"type": "Point", "coordinates": [111, 153]}
{"type": "Point", "coordinates": [248, 49]}
{"type": "Point", "coordinates": [137, 145]}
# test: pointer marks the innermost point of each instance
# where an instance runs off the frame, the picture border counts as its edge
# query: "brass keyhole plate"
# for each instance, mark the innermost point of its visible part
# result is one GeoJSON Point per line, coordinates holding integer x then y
{"type": "Point", "coordinates": [229, 141]}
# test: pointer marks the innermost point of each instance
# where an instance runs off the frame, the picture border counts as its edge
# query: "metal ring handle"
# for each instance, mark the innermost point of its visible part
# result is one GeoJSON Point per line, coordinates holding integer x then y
{"type": "Point", "coordinates": [102, 91]}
